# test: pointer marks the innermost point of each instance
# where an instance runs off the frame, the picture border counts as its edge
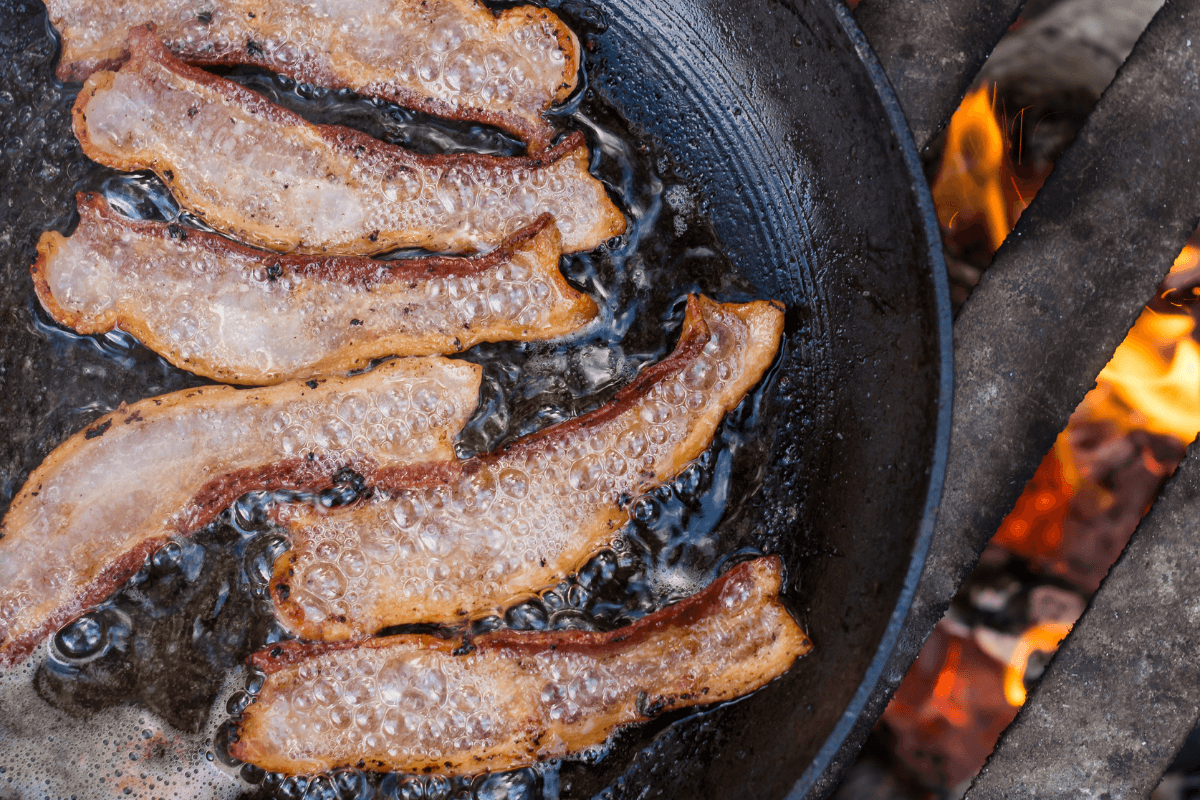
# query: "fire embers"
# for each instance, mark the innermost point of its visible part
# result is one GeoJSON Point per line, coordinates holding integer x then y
{"type": "Point", "coordinates": [970, 678]}
{"type": "Point", "coordinates": [1123, 441]}
{"type": "Point", "coordinates": [1079, 510]}
{"type": "Point", "coordinates": [1074, 520]}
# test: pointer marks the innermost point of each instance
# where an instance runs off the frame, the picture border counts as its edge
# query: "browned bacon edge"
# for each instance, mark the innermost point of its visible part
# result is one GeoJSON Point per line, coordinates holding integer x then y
{"type": "Point", "coordinates": [352, 270]}
{"type": "Point", "coordinates": [588, 643]}
{"type": "Point", "coordinates": [517, 647]}
{"type": "Point", "coordinates": [145, 44]}
{"type": "Point", "coordinates": [218, 494]}
{"type": "Point", "coordinates": [299, 474]}
{"type": "Point", "coordinates": [17, 650]}
{"type": "Point", "coordinates": [536, 134]}
{"type": "Point", "coordinates": [692, 339]}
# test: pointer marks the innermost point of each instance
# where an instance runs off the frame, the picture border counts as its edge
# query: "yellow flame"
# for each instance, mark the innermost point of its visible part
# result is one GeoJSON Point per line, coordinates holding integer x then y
{"type": "Point", "coordinates": [1040, 638]}
{"type": "Point", "coordinates": [1188, 259]}
{"type": "Point", "coordinates": [1156, 372]}
{"type": "Point", "coordinates": [968, 183]}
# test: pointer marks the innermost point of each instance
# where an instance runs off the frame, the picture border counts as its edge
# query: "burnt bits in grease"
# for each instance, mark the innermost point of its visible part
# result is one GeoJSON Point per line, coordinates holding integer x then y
{"type": "Point", "coordinates": [170, 640]}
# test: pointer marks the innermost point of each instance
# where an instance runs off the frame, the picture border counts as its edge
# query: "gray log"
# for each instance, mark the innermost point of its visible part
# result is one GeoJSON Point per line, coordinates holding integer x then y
{"type": "Point", "coordinates": [931, 51]}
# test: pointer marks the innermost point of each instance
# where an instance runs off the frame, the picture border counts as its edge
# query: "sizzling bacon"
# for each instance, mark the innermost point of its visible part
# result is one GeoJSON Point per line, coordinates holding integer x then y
{"type": "Point", "coordinates": [439, 542]}
{"type": "Point", "coordinates": [109, 495]}
{"type": "Point", "coordinates": [450, 57]}
{"type": "Point", "coordinates": [508, 699]}
{"type": "Point", "coordinates": [248, 316]}
{"type": "Point", "coordinates": [260, 173]}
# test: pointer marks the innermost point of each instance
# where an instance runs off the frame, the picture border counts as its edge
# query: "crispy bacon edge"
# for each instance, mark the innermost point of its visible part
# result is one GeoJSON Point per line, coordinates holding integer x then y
{"type": "Point", "coordinates": [300, 474]}
{"type": "Point", "coordinates": [349, 270]}
{"type": "Point", "coordinates": [144, 44]}
{"type": "Point", "coordinates": [592, 644]}
{"type": "Point", "coordinates": [217, 495]}
{"type": "Point", "coordinates": [536, 132]}
{"type": "Point", "coordinates": [692, 339]}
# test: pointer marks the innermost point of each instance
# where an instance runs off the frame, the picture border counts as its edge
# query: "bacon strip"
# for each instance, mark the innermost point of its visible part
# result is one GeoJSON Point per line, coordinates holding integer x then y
{"type": "Point", "coordinates": [509, 699]}
{"type": "Point", "coordinates": [247, 316]}
{"type": "Point", "coordinates": [260, 173]}
{"type": "Point", "coordinates": [440, 542]}
{"type": "Point", "coordinates": [109, 495]}
{"type": "Point", "coordinates": [449, 57]}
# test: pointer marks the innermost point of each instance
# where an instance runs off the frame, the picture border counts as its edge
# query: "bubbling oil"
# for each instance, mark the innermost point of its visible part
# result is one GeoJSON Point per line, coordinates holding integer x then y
{"type": "Point", "coordinates": [141, 693]}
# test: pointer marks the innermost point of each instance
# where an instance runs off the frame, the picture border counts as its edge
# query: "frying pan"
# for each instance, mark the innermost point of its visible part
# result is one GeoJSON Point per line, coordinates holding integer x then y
{"type": "Point", "coordinates": [776, 114]}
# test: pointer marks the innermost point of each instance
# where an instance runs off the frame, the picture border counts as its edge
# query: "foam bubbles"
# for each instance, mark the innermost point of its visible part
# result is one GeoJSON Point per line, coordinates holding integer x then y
{"type": "Point", "coordinates": [177, 445]}
{"type": "Point", "coordinates": [512, 520]}
{"type": "Point", "coordinates": [423, 703]}
{"type": "Point", "coordinates": [283, 186]}
{"type": "Point", "coordinates": [132, 754]}
{"type": "Point", "coordinates": [84, 638]}
{"type": "Point", "coordinates": [315, 320]}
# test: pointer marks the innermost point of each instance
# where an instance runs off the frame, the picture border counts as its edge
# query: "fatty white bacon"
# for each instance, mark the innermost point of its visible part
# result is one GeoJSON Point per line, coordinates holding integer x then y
{"type": "Point", "coordinates": [260, 173]}
{"type": "Point", "coordinates": [450, 57]}
{"type": "Point", "coordinates": [440, 542]}
{"type": "Point", "coordinates": [240, 315]}
{"type": "Point", "coordinates": [510, 699]}
{"type": "Point", "coordinates": [111, 494]}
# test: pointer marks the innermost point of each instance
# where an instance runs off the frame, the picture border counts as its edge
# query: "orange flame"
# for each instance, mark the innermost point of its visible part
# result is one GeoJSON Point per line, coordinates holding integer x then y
{"type": "Point", "coordinates": [1152, 382]}
{"type": "Point", "coordinates": [970, 186]}
{"type": "Point", "coordinates": [943, 700]}
{"type": "Point", "coordinates": [1040, 638]}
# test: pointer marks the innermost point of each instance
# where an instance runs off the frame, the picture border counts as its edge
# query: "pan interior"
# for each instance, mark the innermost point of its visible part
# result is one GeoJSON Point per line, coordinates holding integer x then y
{"type": "Point", "coordinates": [778, 132]}
{"type": "Point", "coordinates": [817, 198]}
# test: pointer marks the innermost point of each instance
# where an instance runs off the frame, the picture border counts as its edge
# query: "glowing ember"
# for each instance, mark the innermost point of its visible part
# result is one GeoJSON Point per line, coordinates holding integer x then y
{"type": "Point", "coordinates": [1034, 528]}
{"type": "Point", "coordinates": [1042, 638]}
{"type": "Point", "coordinates": [950, 709]}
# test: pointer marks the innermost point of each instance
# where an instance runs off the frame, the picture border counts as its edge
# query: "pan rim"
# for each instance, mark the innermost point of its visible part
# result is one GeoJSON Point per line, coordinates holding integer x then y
{"type": "Point", "coordinates": [824, 772]}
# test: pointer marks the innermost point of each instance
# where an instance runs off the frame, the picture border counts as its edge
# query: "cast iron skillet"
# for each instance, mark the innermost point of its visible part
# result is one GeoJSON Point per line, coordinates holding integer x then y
{"type": "Point", "coordinates": [785, 119]}
{"type": "Point", "coordinates": [777, 114]}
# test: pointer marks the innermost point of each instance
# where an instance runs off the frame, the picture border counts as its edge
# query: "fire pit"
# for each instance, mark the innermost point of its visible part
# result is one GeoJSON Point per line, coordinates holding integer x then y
{"type": "Point", "coordinates": [1045, 319]}
{"type": "Point", "coordinates": [1062, 291]}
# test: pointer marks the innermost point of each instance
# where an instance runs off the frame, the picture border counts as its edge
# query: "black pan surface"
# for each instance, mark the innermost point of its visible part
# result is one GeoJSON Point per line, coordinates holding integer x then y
{"type": "Point", "coordinates": [780, 113]}
{"type": "Point", "coordinates": [776, 118]}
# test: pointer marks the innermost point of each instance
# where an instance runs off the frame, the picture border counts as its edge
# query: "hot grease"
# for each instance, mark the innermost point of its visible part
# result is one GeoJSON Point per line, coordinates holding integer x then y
{"type": "Point", "coordinates": [454, 56]}
{"type": "Point", "coordinates": [176, 635]}
{"type": "Point", "coordinates": [482, 531]}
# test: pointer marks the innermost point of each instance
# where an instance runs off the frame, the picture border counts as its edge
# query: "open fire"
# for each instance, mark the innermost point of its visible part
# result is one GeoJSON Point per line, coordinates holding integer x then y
{"type": "Point", "coordinates": [978, 192]}
{"type": "Point", "coordinates": [1081, 507]}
